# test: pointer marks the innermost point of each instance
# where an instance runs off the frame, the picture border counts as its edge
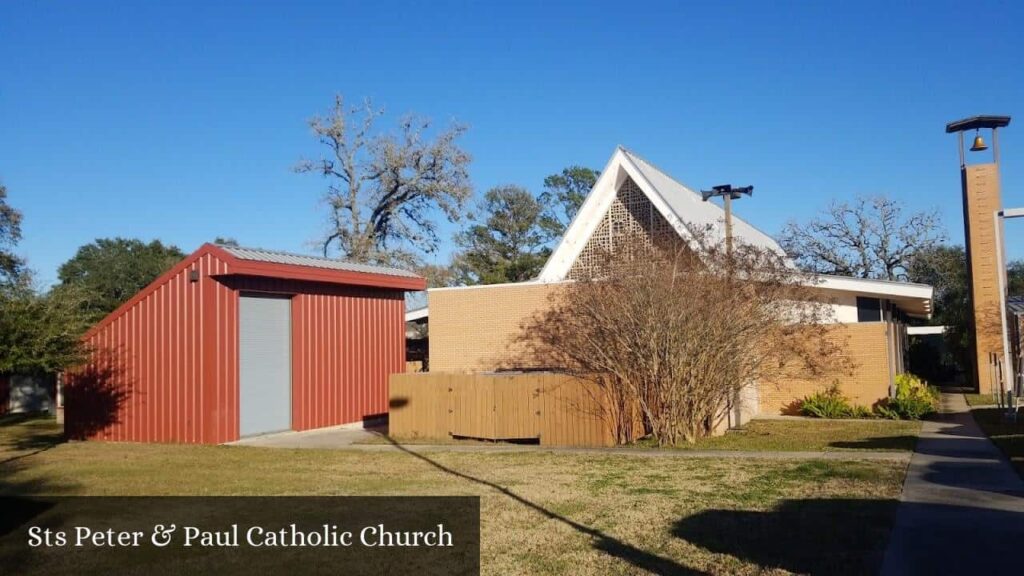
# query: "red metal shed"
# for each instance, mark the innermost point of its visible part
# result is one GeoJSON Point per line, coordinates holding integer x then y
{"type": "Point", "coordinates": [238, 341]}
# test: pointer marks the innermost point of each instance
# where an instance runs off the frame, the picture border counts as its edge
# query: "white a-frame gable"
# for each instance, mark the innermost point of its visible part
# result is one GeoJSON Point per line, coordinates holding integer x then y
{"type": "Point", "coordinates": [676, 203]}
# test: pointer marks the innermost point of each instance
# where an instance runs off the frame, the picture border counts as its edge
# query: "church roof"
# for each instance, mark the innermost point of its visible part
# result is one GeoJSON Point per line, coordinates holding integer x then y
{"type": "Point", "coordinates": [680, 205]}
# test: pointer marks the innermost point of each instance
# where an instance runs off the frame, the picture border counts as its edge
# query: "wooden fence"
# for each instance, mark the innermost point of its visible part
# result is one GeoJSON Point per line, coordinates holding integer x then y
{"type": "Point", "coordinates": [554, 409]}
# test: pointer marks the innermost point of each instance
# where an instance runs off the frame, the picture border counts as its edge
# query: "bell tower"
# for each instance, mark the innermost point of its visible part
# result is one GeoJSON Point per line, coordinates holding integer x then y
{"type": "Point", "coordinates": [979, 183]}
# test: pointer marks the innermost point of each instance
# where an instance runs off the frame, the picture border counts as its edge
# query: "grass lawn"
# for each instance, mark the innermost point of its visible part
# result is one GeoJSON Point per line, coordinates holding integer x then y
{"type": "Point", "coordinates": [1008, 436]}
{"type": "Point", "coordinates": [785, 435]}
{"type": "Point", "coordinates": [980, 399]}
{"type": "Point", "coordinates": [812, 435]}
{"type": "Point", "coordinates": [542, 512]}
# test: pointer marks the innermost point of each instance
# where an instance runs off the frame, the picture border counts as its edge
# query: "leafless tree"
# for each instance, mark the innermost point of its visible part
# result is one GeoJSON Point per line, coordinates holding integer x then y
{"type": "Point", "coordinates": [669, 334]}
{"type": "Point", "coordinates": [385, 188]}
{"type": "Point", "coordinates": [870, 238]}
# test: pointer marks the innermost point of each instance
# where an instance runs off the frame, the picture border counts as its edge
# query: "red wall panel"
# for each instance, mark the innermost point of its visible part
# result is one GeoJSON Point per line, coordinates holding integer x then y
{"type": "Point", "coordinates": [164, 368]}
{"type": "Point", "coordinates": [146, 377]}
{"type": "Point", "coordinates": [346, 341]}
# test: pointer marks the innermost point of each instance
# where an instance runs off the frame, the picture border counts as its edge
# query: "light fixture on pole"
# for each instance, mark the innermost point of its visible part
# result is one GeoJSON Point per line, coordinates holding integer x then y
{"type": "Point", "coordinates": [728, 194]}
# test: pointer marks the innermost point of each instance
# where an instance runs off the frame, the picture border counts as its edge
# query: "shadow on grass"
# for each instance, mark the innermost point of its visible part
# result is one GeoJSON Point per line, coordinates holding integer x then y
{"type": "Point", "coordinates": [21, 418]}
{"type": "Point", "coordinates": [27, 435]}
{"type": "Point", "coordinates": [637, 557]}
{"type": "Point", "coordinates": [837, 536]}
{"type": "Point", "coordinates": [903, 442]}
{"type": "Point", "coordinates": [1005, 432]}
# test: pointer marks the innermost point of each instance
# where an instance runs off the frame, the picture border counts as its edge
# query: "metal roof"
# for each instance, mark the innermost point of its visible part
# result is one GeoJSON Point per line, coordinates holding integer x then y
{"type": "Point", "coordinates": [279, 257]}
{"type": "Point", "coordinates": [975, 122]}
{"type": "Point", "coordinates": [690, 207]}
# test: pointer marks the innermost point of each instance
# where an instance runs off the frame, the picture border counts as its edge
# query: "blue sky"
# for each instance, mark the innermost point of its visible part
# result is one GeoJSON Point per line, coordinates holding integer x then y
{"type": "Point", "coordinates": [181, 121]}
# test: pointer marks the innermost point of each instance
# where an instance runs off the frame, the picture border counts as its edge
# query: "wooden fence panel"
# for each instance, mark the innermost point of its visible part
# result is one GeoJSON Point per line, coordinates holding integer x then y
{"type": "Point", "coordinates": [573, 415]}
{"type": "Point", "coordinates": [516, 406]}
{"type": "Point", "coordinates": [472, 404]}
{"type": "Point", "coordinates": [418, 408]}
{"type": "Point", "coordinates": [557, 410]}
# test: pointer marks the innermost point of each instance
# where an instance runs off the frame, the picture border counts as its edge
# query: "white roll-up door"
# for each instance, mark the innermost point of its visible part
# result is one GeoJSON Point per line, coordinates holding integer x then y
{"type": "Point", "coordinates": [265, 364]}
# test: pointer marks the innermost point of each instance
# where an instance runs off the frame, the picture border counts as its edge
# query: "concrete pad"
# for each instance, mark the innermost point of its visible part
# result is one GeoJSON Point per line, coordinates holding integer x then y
{"type": "Point", "coordinates": [962, 508]}
{"type": "Point", "coordinates": [321, 438]}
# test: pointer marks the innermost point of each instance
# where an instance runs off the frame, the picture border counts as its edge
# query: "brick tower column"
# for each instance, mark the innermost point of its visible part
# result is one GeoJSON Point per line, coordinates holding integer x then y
{"type": "Point", "coordinates": [981, 197]}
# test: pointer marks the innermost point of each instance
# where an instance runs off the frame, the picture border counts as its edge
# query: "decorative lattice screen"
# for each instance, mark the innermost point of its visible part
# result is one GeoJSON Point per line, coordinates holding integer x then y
{"type": "Point", "coordinates": [631, 218]}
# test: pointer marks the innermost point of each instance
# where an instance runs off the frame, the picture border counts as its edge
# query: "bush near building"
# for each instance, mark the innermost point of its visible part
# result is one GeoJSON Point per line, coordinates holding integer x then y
{"type": "Point", "coordinates": [914, 399]}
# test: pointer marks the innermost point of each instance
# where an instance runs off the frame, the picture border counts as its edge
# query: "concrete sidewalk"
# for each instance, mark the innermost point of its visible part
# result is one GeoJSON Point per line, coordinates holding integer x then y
{"type": "Point", "coordinates": [962, 509]}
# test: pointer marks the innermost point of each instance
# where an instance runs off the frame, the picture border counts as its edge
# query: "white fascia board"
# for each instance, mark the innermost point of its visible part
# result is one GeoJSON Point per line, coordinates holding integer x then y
{"type": "Point", "coordinates": [417, 314]}
{"type": "Point", "coordinates": [875, 287]}
{"type": "Point", "coordinates": [583, 223]}
{"type": "Point", "coordinates": [596, 206]}
{"type": "Point", "coordinates": [504, 285]}
{"type": "Point", "coordinates": [652, 193]}
{"type": "Point", "coordinates": [925, 330]}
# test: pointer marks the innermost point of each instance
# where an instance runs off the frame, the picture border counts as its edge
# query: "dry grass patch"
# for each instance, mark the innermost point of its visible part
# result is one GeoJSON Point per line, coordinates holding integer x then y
{"type": "Point", "coordinates": [542, 512]}
{"type": "Point", "coordinates": [980, 399]}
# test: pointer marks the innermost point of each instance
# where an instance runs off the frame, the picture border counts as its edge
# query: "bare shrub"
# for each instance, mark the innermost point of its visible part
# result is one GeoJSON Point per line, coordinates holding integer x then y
{"type": "Point", "coordinates": [675, 331]}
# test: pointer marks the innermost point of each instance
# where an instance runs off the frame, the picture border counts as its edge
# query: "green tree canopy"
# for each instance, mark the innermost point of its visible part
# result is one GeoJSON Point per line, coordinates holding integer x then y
{"type": "Point", "coordinates": [10, 232]}
{"type": "Point", "coordinates": [40, 332]}
{"type": "Point", "coordinates": [507, 242]}
{"type": "Point", "coordinates": [944, 267]}
{"type": "Point", "coordinates": [109, 271]}
{"type": "Point", "coordinates": [226, 241]}
{"type": "Point", "coordinates": [563, 195]}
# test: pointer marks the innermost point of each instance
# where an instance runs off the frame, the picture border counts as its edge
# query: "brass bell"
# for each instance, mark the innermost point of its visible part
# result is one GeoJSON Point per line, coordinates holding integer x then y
{"type": "Point", "coordinates": [979, 144]}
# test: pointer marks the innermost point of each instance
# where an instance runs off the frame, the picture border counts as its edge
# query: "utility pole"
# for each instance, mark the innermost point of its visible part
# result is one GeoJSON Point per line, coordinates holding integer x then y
{"type": "Point", "coordinates": [728, 194]}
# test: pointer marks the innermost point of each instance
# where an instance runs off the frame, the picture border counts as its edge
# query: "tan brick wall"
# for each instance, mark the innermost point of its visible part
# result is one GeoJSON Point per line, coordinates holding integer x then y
{"type": "Point", "coordinates": [981, 195]}
{"type": "Point", "coordinates": [475, 329]}
{"type": "Point", "coordinates": [865, 345]}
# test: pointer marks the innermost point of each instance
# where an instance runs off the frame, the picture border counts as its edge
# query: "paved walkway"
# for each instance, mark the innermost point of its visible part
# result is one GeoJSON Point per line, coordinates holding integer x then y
{"type": "Point", "coordinates": [962, 509]}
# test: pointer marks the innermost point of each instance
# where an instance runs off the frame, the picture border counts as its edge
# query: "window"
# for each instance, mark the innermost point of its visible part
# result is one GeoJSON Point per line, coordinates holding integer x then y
{"type": "Point", "coordinates": [869, 309]}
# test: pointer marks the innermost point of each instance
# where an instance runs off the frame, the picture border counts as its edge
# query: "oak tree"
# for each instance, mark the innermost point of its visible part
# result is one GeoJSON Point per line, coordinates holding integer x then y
{"type": "Point", "coordinates": [872, 237]}
{"type": "Point", "coordinates": [385, 189]}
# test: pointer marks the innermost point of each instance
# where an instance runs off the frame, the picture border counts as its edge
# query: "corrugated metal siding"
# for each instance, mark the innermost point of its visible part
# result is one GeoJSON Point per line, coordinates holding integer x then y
{"type": "Point", "coordinates": [347, 342]}
{"type": "Point", "coordinates": [222, 358]}
{"type": "Point", "coordinates": [165, 367]}
{"type": "Point", "coordinates": [149, 362]}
